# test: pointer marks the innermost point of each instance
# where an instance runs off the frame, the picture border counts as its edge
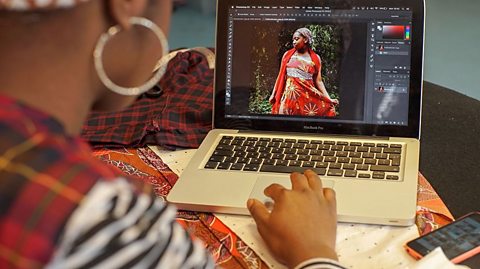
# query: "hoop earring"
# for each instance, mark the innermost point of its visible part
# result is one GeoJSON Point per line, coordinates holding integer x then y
{"type": "Point", "coordinates": [98, 52]}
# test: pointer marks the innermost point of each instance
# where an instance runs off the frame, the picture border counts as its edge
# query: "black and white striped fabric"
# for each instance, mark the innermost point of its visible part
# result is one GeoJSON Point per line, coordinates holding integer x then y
{"type": "Point", "coordinates": [116, 228]}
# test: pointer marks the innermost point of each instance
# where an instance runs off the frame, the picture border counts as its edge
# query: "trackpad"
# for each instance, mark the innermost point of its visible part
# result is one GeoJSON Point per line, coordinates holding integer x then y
{"type": "Point", "coordinates": [265, 181]}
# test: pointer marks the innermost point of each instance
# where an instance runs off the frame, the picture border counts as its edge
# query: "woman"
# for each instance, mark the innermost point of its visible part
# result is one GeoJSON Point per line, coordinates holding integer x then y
{"type": "Point", "coordinates": [62, 208]}
{"type": "Point", "coordinates": [299, 89]}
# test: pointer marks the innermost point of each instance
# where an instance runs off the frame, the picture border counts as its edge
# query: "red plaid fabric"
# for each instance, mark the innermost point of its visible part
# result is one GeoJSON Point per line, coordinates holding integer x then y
{"type": "Point", "coordinates": [180, 116]}
{"type": "Point", "coordinates": [43, 176]}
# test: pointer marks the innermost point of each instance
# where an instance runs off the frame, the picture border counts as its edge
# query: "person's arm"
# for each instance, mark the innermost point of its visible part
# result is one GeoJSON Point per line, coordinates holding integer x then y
{"type": "Point", "coordinates": [116, 228]}
{"type": "Point", "coordinates": [321, 86]}
{"type": "Point", "coordinates": [301, 228]}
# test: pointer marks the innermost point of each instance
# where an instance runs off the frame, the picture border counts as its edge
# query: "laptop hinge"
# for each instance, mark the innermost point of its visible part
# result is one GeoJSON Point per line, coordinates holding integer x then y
{"type": "Point", "coordinates": [313, 135]}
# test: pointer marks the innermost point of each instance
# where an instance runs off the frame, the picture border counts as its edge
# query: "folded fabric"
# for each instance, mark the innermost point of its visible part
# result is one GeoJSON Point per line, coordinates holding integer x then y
{"type": "Point", "coordinates": [176, 113]}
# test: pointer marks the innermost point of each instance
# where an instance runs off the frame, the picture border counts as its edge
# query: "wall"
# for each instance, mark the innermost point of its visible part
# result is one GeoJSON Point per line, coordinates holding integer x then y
{"type": "Point", "coordinates": [452, 46]}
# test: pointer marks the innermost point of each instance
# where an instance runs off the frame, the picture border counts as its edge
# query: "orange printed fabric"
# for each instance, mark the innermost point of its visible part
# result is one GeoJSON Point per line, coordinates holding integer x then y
{"type": "Point", "coordinates": [432, 213]}
{"type": "Point", "coordinates": [227, 249]}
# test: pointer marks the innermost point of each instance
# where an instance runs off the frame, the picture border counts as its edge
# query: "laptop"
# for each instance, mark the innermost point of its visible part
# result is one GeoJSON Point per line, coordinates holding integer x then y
{"type": "Point", "coordinates": [359, 130]}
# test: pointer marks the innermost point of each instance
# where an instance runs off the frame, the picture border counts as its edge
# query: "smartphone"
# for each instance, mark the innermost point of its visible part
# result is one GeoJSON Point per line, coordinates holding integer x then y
{"type": "Point", "coordinates": [459, 240]}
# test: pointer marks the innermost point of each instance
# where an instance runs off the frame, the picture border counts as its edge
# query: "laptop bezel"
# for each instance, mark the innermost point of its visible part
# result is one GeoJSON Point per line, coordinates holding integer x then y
{"type": "Point", "coordinates": [412, 130]}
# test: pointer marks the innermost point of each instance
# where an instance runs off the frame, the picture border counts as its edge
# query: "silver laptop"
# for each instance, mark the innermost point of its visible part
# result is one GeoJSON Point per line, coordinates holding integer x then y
{"type": "Point", "coordinates": [346, 104]}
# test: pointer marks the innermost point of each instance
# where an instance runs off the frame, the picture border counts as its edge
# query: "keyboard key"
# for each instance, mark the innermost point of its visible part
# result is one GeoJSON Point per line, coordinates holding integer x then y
{"type": "Point", "coordinates": [328, 153]}
{"type": "Point", "coordinates": [304, 158]}
{"type": "Point", "coordinates": [290, 169]}
{"type": "Point", "coordinates": [362, 149]}
{"type": "Point", "coordinates": [225, 147]}
{"type": "Point", "coordinates": [350, 173]}
{"type": "Point", "coordinates": [370, 161]}
{"type": "Point", "coordinates": [237, 166]}
{"type": "Point", "coordinates": [321, 165]}
{"type": "Point", "coordinates": [335, 166]}
{"type": "Point", "coordinates": [311, 146]}
{"type": "Point", "coordinates": [227, 153]}
{"type": "Point", "coordinates": [350, 148]}
{"type": "Point", "coordinates": [251, 167]}
{"type": "Point", "coordinates": [363, 175]}
{"type": "Point", "coordinates": [396, 145]}
{"type": "Point", "coordinates": [240, 154]}
{"type": "Point", "coordinates": [381, 156]}
{"type": "Point", "coordinates": [362, 167]}
{"type": "Point", "coordinates": [303, 152]}
{"type": "Point", "coordinates": [224, 166]}
{"type": "Point", "coordinates": [392, 177]}
{"type": "Point", "coordinates": [384, 168]}
{"type": "Point", "coordinates": [330, 159]}
{"type": "Point", "coordinates": [368, 155]}
{"type": "Point", "coordinates": [211, 165]}
{"type": "Point", "coordinates": [392, 150]}
{"type": "Point", "coordinates": [216, 158]}
{"type": "Point", "coordinates": [383, 162]}
{"type": "Point", "coordinates": [269, 161]}
{"type": "Point", "coordinates": [349, 166]}
{"type": "Point", "coordinates": [295, 163]}
{"type": "Point", "coordinates": [255, 161]}
{"type": "Point", "coordinates": [378, 175]}
{"type": "Point", "coordinates": [356, 160]}
{"type": "Point", "coordinates": [355, 155]}
{"type": "Point", "coordinates": [308, 164]}
{"type": "Point", "coordinates": [335, 172]}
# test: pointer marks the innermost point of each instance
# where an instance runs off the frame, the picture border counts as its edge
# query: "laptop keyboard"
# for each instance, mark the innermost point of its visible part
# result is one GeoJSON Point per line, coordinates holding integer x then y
{"type": "Point", "coordinates": [350, 159]}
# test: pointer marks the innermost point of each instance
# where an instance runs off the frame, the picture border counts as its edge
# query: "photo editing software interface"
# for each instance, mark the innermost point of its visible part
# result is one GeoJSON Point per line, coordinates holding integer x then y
{"type": "Point", "coordinates": [365, 57]}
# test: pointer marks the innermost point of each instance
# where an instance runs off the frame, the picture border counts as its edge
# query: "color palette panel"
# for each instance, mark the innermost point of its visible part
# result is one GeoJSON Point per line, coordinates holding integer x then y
{"type": "Point", "coordinates": [393, 31]}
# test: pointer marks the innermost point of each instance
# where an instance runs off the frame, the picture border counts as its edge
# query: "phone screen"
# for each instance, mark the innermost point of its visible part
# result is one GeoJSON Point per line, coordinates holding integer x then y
{"type": "Point", "coordinates": [455, 238]}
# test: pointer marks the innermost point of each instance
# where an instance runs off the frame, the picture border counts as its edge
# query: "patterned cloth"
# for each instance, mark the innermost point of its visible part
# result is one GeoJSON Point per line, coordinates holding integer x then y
{"type": "Point", "coordinates": [44, 175]}
{"type": "Point", "coordinates": [228, 249]}
{"type": "Point", "coordinates": [178, 116]}
{"type": "Point", "coordinates": [62, 208]}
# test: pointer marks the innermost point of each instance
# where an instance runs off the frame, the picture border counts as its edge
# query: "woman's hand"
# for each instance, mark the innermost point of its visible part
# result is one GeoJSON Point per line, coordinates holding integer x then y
{"type": "Point", "coordinates": [303, 222]}
{"type": "Point", "coordinates": [271, 99]}
{"type": "Point", "coordinates": [334, 101]}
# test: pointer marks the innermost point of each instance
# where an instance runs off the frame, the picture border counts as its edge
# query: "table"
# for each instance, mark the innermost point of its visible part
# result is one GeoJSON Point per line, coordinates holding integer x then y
{"type": "Point", "coordinates": [450, 150]}
{"type": "Point", "coordinates": [365, 246]}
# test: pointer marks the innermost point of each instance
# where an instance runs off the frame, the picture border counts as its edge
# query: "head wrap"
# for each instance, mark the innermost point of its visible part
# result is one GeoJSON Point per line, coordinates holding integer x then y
{"type": "Point", "coordinates": [29, 5]}
{"type": "Point", "coordinates": [306, 33]}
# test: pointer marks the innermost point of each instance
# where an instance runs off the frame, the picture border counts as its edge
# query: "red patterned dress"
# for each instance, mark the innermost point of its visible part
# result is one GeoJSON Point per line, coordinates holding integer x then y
{"type": "Point", "coordinates": [299, 95]}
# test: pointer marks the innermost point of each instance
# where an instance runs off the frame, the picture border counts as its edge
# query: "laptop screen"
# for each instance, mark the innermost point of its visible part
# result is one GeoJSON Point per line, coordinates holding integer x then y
{"type": "Point", "coordinates": [309, 66]}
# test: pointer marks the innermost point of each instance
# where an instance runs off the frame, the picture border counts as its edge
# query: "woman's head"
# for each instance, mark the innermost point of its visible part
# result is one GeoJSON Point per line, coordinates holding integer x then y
{"type": "Point", "coordinates": [302, 38]}
{"type": "Point", "coordinates": [62, 35]}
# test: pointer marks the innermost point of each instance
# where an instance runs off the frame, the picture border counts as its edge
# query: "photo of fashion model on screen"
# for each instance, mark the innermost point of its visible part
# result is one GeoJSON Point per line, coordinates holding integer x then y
{"type": "Point", "coordinates": [298, 86]}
